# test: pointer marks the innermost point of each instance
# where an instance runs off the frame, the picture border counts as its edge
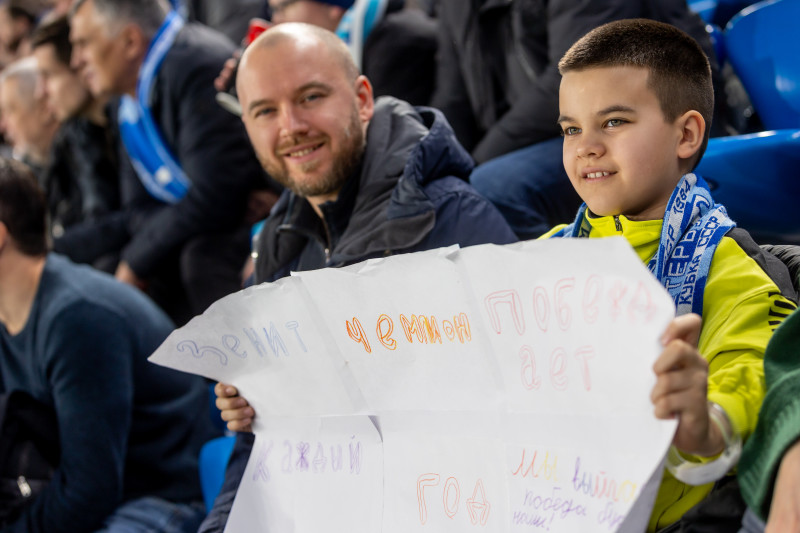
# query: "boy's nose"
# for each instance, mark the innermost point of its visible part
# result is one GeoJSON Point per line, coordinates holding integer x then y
{"type": "Point", "coordinates": [590, 146]}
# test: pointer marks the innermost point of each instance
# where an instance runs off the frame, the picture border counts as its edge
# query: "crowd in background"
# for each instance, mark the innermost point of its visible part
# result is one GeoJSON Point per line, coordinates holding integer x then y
{"type": "Point", "coordinates": [152, 176]}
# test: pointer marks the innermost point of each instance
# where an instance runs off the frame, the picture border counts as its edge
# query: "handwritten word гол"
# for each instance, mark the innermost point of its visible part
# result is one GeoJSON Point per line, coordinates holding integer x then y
{"type": "Point", "coordinates": [477, 505]}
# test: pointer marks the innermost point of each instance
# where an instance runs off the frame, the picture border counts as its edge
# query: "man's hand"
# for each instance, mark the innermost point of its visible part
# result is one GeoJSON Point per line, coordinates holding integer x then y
{"type": "Point", "coordinates": [234, 409]}
{"type": "Point", "coordinates": [681, 388]}
{"type": "Point", "coordinates": [125, 274]}
{"type": "Point", "coordinates": [784, 513]}
{"type": "Point", "coordinates": [227, 75]}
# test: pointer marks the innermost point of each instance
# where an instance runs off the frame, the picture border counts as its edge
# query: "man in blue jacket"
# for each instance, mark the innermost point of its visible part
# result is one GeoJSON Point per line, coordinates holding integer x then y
{"type": "Point", "coordinates": [364, 178]}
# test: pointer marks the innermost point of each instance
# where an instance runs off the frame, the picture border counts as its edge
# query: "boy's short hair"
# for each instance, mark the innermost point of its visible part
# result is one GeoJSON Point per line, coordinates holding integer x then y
{"type": "Point", "coordinates": [22, 207]}
{"type": "Point", "coordinates": [55, 32]}
{"type": "Point", "coordinates": [679, 71]}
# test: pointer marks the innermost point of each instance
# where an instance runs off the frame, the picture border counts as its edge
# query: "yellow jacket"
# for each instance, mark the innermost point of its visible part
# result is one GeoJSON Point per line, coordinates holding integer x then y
{"type": "Point", "coordinates": [742, 306]}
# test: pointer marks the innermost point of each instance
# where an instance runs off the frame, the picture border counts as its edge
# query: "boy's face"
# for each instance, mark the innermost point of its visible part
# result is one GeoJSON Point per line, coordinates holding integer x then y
{"type": "Point", "coordinates": [620, 153]}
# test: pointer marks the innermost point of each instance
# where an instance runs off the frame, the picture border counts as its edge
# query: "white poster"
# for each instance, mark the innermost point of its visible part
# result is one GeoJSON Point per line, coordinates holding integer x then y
{"type": "Point", "coordinates": [500, 388]}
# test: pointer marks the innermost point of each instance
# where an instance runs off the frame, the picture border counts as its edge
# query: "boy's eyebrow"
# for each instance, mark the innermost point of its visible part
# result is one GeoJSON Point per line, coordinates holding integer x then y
{"type": "Point", "coordinates": [616, 108]}
{"type": "Point", "coordinates": [301, 89]}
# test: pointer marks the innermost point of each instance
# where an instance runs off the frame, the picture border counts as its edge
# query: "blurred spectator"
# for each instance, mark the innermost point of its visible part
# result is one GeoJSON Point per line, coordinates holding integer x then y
{"type": "Point", "coordinates": [194, 165]}
{"type": "Point", "coordinates": [394, 46]}
{"type": "Point", "coordinates": [27, 122]}
{"type": "Point", "coordinates": [129, 432]}
{"type": "Point", "coordinates": [81, 181]}
{"type": "Point", "coordinates": [59, 8]}
{"type": "Point", "coordinates": [230, 17]}
{"type": "Point", "coordinates": [17, 20]}
{"type": "Point", "coordinates": [497, 83]}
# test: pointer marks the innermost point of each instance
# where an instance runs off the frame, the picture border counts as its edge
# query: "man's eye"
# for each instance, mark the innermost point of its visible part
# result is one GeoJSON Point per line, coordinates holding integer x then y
{"type": "Point", "coordinates": [264, 111]}
{"type": "Point", "coordinates": [615, 122]}
{"type": "Point", "coordinates": [570, 130]}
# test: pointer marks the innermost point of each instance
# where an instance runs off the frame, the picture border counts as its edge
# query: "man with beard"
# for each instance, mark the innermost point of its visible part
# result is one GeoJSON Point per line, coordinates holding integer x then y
{"type": "Point", "coordinates": [364, 179]}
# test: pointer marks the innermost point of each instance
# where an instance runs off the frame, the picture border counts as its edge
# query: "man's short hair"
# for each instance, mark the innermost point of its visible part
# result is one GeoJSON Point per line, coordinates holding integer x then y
{"type": "Point", "coordinates": [25, 72]}
{"type": "Point", "coordinates": [22, 207]}
{"type": "Point", "coordinates": [147, 14]}
{"type": "Point", "coordinates": [679, 71]}
{"type": "Point", "coordinates": [56, 33]}
{"type": "Point", "coordinates": [29, 10]}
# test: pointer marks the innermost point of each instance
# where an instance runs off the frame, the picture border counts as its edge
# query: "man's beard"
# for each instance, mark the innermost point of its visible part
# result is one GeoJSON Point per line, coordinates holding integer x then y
{"type": "Point", "coordinates": [345, 162]}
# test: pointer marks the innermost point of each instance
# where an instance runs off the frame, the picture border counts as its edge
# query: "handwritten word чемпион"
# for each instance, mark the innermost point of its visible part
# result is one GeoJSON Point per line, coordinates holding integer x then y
{"type": "Point", "coordinates": [425, 329]}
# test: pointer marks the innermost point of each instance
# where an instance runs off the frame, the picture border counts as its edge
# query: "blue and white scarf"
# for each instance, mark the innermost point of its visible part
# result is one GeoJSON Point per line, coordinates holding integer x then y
{"type": "Point", "coordinates": [157, 168]}
{"type": "Point", "coordinates": [693, 227]}
{"type": "Point", "coordinates": [357, 23]}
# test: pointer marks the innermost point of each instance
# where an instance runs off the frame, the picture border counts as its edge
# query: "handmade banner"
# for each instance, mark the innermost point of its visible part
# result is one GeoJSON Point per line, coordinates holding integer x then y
{"type": "Point", "coordinates": [495, 388]}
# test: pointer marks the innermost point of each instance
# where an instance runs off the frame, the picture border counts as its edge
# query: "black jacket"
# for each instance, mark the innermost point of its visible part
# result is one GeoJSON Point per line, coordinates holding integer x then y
{"type": "Point", "coordinates": [497, 80]}
{"type": "Point", "coordinates": [82, 180]}
{"type": "Point", "coordinates": [410, 195]}
{"type": "Point", "coordinates": [399, 55]}
{"type": "Point", "coordinates": [210, 144]}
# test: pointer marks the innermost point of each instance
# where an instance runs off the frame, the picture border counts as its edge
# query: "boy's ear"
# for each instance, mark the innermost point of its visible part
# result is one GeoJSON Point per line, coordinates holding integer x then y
{"type": "Point", "coordinates": [693, 129]}
{"type": "Point", "coordinates": [3, 236]}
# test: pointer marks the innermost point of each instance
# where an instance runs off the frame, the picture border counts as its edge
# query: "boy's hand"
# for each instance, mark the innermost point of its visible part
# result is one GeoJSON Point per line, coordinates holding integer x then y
{"type": "Point", "coordinates": [681, 388]}
{"type": "Point", "coordinates": [784, 513]}
{"type": "Point", "coordinates": [235, 409]}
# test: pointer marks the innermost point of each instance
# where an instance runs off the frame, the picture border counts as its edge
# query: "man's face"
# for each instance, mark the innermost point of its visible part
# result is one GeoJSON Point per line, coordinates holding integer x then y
{"type": "Point", "coordinates": [308, 11]}
{"type": "Point", "coordinates": [27, 122]}
{"type": "Point", "coordinates": [620, 152]}
{"type": "Point", "coordinates": [66, 95]}
{"type": "Point", "coordinates": [97, 53]}
{"type": "Point", "coordinates": [307, 124]}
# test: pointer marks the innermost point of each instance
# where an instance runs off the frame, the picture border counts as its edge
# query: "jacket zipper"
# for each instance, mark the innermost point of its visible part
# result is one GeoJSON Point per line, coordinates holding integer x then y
{"type": "Point", "coordinates": [617, 223]}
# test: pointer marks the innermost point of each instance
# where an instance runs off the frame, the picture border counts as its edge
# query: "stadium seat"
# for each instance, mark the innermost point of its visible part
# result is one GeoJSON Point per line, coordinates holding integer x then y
{"type": "Point", "coordinates": [213, 460]}
{"type": "Point", "coordinates": [718, 12]}
{"type": "Point", "coordinates": [704, 8]}
{"type": "Point", "coordinates": [755, 176]}
{"type": "Point", "coordinates": [761, 46]}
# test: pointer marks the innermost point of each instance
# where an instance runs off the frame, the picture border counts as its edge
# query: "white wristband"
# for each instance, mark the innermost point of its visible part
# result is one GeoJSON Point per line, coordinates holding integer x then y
{"type": "Point", "coordinates": [702, 473]}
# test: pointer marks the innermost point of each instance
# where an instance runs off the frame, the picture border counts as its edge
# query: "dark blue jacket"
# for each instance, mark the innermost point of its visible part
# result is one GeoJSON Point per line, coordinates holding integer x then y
{"type": "Point", "coordinates": [126, 427]}
{"type": "Point", "coordinates": [410, 195]}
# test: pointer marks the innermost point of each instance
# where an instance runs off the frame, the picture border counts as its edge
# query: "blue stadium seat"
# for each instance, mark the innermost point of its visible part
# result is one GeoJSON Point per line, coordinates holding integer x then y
{"type": "Point", "coordinates": [213, 459]}
{"type": "Point", "coordinates": [704, 8]}
{"type": "Point", "coordinates": [755, 176]}
{"type": "Point", "coordinates": [762, 48]}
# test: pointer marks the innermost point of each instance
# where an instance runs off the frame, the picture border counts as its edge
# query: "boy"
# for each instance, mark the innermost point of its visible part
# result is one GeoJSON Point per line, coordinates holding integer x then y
{"type": "Point", "coordinates": [635, 107]}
